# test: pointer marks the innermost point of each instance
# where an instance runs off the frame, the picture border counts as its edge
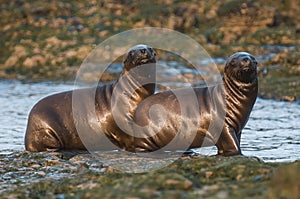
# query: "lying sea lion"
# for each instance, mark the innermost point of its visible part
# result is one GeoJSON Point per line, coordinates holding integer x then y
{"type": "Point", "coordinates": [201, 116]}
{"type": "Point", "coordinates": [51, 124]}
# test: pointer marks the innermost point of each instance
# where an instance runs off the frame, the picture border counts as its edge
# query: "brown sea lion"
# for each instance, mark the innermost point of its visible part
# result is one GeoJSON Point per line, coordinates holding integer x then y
{"type": "Point", "coordinates": [201, 116]}
{"type": "Point", "coordinates": [53, 122]}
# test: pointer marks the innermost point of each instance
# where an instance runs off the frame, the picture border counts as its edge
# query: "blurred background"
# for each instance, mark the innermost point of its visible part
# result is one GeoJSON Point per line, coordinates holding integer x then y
{"type": "Point", "coordinates": [48, 40]}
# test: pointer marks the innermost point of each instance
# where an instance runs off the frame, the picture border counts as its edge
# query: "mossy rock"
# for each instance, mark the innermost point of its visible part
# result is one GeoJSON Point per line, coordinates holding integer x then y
{"type": "Point", "coordinates": [187, 177]}
{"type": "Point", "coordinates": [285, 182]}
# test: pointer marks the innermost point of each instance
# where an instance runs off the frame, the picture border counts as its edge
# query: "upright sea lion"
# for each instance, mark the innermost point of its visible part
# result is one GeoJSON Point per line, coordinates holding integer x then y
{"type": "Point", "coordinates": [51, 125]}
{"type": "Point", "coordinates": [201, 116]}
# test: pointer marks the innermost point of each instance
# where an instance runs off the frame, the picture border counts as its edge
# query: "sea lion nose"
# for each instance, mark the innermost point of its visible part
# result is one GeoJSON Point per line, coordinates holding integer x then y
{"type": "Point", "coordinates": [143, 51]}
{"type": "Point", "coordinates": [148, 53]}
{"type": "Point", "coordinates": [246, 60]}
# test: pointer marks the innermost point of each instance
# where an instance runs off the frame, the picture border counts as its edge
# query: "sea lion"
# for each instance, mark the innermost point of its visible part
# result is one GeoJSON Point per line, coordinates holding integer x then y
{"type": "Point", "coordinates": [218, 117]}
{"type": "Point", "coordinates": [51, 124]}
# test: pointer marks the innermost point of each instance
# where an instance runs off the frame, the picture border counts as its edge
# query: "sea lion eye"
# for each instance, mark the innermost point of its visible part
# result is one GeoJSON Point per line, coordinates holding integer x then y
{"type": "Point", "coordinates": [131, 54]}
{"type": "Point", "coordinates": [253, 60]}
{"type": "Point", "coordinates": [152, 51]}
{"type": "Point", "coordinates": [129, 57]}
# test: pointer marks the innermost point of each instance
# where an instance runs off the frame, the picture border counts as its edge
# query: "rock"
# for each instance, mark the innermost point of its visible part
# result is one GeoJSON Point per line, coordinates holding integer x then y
{"type": "Point", "coordinates": [71, 53]}
{"type": "Point", "coordinates": [84, 175]}
{"type": "Point", "coordinates": [222, 194]}
{"type": "Point", "coordinates": [36, 60]}
{"type": "Point", "coordinates": [239, 177]}
{"type": "Point", "coordinates": [83, 52]}
{"type": "Point", "coordinates": [103, 33]}
{"type": "Point", "coordinates": [18, 53]}
{"type": "Point", "coordinates": [75, 21]}
{"type": "Point", "coordinates": [109, 169]}
{"type": "Point", "coordinates": [60, 196]}
{"type": "Point", "coordinates": [176, 182]}
{"type": "Point", "coordinates": [285, 182]}
{"type": "Point", "coordinates": [53, 41]}
{"type": "Point", "coordinates": [257, 178]}
{"type": "Point", "coordinates": [208, 174]}
{"type": "Point", "coordinates": [41, 173]}
{"type": "Point", "coordinates": [11, 61]}
{"type": "Point", "coordinates": [35, 166]}
{"type": "Point", "coordinates": [288, 98]}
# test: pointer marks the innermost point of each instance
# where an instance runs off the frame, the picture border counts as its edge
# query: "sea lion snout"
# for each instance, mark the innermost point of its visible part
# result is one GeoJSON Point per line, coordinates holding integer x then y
{"type": "Point", "coordinates": [247, 62]}
{"type": "Point", "coordinates": [140, 54]}
{"type": "Point", "coordinates": [145, 55]}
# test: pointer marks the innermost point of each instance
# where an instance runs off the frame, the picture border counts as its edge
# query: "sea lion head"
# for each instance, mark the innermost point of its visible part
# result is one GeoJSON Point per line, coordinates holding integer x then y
{"type": "Point", "coordinates": [139, 55]}
{"type": "Point", "coordinates": [241, 66]}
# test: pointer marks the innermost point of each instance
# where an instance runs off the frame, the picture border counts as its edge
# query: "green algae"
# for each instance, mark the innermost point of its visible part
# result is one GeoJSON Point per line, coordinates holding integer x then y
{"type": "Point", "coordinates": [286, 183]}
{"type": "Point", "coordinates": [187, 177]}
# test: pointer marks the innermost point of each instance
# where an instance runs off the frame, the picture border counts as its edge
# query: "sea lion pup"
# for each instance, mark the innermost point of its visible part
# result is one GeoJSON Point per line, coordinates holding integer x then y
{"type": "Point", "coordinates": [51, 124]}
{"type": "Point", "coordinates": [218, 117]}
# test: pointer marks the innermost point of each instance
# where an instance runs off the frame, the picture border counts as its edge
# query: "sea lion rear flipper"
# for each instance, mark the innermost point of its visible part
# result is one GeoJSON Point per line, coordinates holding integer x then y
{"type": "Point", "coordinates": [42, 140]}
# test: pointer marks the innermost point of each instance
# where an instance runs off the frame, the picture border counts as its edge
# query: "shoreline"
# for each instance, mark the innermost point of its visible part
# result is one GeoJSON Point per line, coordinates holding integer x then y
{"type": "Point", "coordinates": [58, 175]}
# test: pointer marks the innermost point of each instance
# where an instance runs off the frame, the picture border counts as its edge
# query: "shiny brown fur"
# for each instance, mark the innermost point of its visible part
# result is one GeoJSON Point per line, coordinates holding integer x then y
{"type": "Point", "coordinates": [51, 125]}
{"type": "Point", "coordinates": [223, 111]}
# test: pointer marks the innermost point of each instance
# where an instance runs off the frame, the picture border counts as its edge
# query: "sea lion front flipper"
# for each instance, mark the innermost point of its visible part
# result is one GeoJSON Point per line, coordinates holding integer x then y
{"type": "Point", "coordinates": [228, 143]}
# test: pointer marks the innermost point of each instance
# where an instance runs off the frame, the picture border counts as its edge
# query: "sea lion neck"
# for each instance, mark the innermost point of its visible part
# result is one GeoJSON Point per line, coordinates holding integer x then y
{"type": "Point", "coordinates": [140, 69]}
{"type": "Point", "coordinates": [138, 83]}
{"type": "Point", "coordinates": [240, 98]}
{"type": "Point", "coordinates": [241, 87]}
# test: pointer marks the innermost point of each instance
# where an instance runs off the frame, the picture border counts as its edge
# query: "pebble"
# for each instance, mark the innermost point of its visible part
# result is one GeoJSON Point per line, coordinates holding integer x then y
{"type": "Point", "coordinates": [208, 174]}
{"type": "Point", "coordinates": [222, 194]}
{"type": "Point", "coordinates": [257, 178]}
{"type": "Point", "coordinates": [109, 169]}
{"type": "Point", "coordinates": [60, 196]}
{"type": "Point", "coordinates": [288, 98]}
{"type": "Point", "coordinates": [41, 173]}
{"type": "Point", "coordinates": [54, 162]}
{"type": "Point", "coordinates": [35, 166]}
{"type": "Point", "coordinates": [179, 184]}
{"type": "Point", "coordinates": [239, 177]}
{"type": "Point", "coordinates": [6, 176]}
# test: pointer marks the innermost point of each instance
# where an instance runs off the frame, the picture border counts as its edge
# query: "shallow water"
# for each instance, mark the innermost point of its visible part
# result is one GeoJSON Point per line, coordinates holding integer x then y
{"type": "Point", "coordinates": [16, 100]}
{"type": "Point", "coordinates": [272, 132]}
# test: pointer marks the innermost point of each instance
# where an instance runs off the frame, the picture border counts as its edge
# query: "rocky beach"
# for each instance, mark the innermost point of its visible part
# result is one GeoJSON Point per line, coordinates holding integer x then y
{"type": "Point", "coordinates": [63, 175]}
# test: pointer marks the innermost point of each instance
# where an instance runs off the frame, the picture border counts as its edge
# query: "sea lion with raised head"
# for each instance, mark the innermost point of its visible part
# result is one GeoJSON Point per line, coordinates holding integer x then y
{"type": "Point", "coordinates": [51, 124]}
{"type": "Point", "coordinates": [201, 116]}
